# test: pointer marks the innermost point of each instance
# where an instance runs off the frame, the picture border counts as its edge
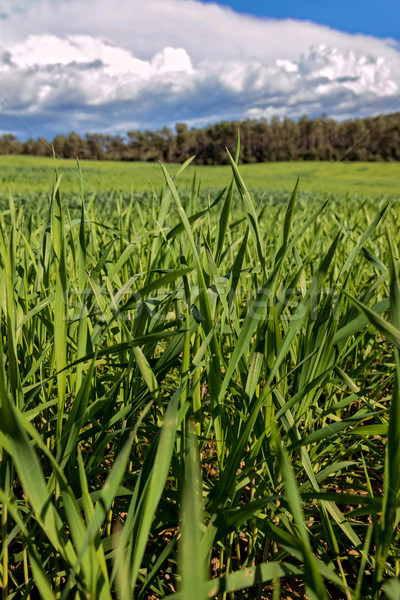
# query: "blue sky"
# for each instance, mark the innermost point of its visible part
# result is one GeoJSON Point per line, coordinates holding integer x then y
{"type": "Point", "coordinates": [111, 66]}
{"type": "Point", "coordinates": [381, 19]}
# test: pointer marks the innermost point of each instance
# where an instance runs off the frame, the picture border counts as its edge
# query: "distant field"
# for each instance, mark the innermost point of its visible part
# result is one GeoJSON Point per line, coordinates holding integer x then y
{"type": "Point", "coordinates": [24, 174]}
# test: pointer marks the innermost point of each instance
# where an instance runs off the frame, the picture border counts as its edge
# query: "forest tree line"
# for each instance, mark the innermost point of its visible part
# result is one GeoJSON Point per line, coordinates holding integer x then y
{"type": "Point", "coordinates": [369, 139]}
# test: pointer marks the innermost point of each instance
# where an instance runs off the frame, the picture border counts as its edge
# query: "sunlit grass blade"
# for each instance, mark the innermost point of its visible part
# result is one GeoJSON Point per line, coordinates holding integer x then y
{"type": "Point", "coordinates": [191, 560]}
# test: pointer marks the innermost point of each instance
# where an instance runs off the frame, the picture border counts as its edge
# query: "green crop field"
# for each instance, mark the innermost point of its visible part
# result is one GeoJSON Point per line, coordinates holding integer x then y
{"type": "Point", "coordinates": [199, 390]}
{"type": "Point", "coordinates": [27, 174]}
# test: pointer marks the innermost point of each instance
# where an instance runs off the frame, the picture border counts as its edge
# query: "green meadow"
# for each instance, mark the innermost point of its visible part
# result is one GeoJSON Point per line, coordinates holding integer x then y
{"type": "Point", "coordinates": [27, 174]}
{"type": "Point", "coordinates": [199, 384]}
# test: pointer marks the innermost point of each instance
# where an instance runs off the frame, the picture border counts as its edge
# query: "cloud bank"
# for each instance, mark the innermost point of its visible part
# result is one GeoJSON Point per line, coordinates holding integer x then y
{"type": "Point", "coordinates": [113, 66]}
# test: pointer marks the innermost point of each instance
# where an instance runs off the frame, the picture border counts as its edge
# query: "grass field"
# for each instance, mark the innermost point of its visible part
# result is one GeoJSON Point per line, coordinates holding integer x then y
{"type": "Point", "coordinates": [26, 174]}
{"type": "Point", "coordinates": [199, 394]}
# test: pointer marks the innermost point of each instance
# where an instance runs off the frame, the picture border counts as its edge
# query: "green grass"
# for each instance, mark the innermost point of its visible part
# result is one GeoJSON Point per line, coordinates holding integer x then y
{"type": "Point", "coordinates": [199, 394]}
{"type": "Point", "coordinates": [26, 174]}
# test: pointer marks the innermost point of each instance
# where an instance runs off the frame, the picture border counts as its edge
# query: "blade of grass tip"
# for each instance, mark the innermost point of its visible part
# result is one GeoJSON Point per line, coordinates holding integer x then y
{"type": "Point", "coordinates": [237, 150]}
{"type": "Point", "coordinates": [184, 218]}
{"type": "Point", "coordinates": [362, 241]}
{"type": "Point", "coordinates": [391, 332]}
{"type": "Point", "coordinates": [60, 307]}
{"type": "Point", "coordinates": [194, 193]}
{"type": "Point", "coordinates": [358, 323]}
{"type": "Point", "coordinates": [194, 217]}
{"type": "Point", "coordinates": [223, 224]}
{"type": "Point", "coordinates": [392, 459]}
{"type": "Point", "coordinates": [165, 201]}
{"type": "Point", "coordinates": [146, 371]}
{"type": "Point", "coordinates": [82, 252]}
{"type": "Point", "coordinates": [226, 210]}
{"type": "Point", "coordinates": [251, 212]}
{"type": "Point", "coordinates": [82, 278]}
{"type": "Point", "coordinates": [191, 561]}
{"type": "Point", "coordinates": [183, 167]}
{"type": "Point", "coordinates": [45, 257]}
{"type": "Point", "coordinates": [80, 177]}
{"type": "Point", "coordinates": [313, 579]}
{"type": "Point", "coordinates": [237, 268]}
{"type": "Point", "coordinates": [76, 418]}
{"type": "Point", "coordinates": [287, 222]}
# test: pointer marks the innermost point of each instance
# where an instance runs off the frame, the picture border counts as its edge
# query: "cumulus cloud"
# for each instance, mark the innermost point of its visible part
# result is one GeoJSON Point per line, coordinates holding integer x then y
{"type": "Point", "coordinates": [95, 65]}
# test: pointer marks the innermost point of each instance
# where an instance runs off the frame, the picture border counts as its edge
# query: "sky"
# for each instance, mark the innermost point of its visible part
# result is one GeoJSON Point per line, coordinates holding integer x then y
{"type": "Point", "coordinates": [112, 66]}
{"type": "Point", "coordinates": [354, 16]}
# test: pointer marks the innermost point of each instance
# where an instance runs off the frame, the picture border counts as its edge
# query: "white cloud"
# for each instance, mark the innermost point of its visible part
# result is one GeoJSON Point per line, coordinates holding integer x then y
{"type": "Point", "coordinates": [100, 65]}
